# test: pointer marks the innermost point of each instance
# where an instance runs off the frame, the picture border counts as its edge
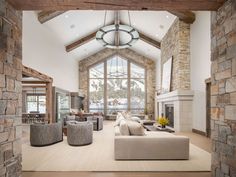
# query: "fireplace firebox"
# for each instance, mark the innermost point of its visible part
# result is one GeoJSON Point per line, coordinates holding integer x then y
{"type": "Point", "coordinates": [169, 113]}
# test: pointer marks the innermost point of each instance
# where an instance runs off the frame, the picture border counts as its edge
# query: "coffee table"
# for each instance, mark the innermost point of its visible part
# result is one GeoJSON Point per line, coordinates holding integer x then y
{"type": "Point", "coordinates": [156, 128]}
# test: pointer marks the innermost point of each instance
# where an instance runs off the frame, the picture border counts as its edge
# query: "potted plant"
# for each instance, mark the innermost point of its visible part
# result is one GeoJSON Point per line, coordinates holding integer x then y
{"type": "Point", "coordinates": [146, 113]}
{"type": "Point", "coordinates": [163, 121]}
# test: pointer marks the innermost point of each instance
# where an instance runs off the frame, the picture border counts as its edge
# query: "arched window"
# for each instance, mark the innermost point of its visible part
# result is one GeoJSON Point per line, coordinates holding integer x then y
{"type": "Point", "coordinates": [117, 84]}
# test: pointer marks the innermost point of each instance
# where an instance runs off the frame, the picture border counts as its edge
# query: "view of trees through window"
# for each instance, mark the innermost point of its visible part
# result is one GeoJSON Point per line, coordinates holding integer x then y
{"type": "Point", "coordinates": [116, 85]}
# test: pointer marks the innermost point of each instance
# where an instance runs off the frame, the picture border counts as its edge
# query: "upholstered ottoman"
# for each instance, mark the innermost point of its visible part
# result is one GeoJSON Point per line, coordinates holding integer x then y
{"type": "Point", "coordinates": [80, 133]}
{"type": "Point", "coordinates": [97, 122]}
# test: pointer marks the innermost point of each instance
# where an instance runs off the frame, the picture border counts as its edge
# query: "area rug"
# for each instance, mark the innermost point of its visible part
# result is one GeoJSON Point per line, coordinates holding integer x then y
{"type": "Point", "coordinates": [99, 156]}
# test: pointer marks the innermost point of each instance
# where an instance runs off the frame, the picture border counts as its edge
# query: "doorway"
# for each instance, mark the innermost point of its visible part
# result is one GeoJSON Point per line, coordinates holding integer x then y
{"type": "Point", "coordinates": [208, 107]}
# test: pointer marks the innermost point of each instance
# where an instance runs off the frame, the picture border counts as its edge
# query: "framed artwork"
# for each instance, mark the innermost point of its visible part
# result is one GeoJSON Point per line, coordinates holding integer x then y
{"type": "Point", "coordinates": [166, 76]}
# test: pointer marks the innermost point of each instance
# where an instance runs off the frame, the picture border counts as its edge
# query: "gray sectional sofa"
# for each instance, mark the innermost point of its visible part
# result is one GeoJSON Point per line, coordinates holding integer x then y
{"type": "Point", "coordinates": [45, 134]}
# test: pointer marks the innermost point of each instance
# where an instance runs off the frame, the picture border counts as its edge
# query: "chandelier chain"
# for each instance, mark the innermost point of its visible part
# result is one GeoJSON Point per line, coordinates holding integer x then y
{"type": "Point", "coordinates": [129, 18]}
{"type": "Point", "coordinates": [105, 16]}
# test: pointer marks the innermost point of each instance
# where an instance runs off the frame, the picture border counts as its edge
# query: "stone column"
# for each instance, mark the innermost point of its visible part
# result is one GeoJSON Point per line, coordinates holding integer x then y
{"type": "Point", "coordinates": [176, 44]}
{"type": "Point", "coordinates": [223, 90]}
{"type": "Point", "coordinates": [10, 90]}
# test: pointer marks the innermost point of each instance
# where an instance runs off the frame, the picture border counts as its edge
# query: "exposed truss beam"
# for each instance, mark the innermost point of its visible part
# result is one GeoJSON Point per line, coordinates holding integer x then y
{"type": "Point", "coordinates": [81, 42]}
{"type": "Point", "coordinates": [168, 5]}
{"type": "Point", "coordinates": [33, 73]}
{"type": "Point", "coordinates": [149, 40]}
{"type": "Point", "coordinates": [186, 16]}
{"type": "Point", "coordinates": [45, 16]}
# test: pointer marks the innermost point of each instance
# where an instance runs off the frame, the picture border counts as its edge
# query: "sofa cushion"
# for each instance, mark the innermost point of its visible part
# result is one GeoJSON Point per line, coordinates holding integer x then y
{"type": "Point", "coordinates": [136, 119]}
{"type": "Point", "coordinates": [126, 114]}
{"type": "Point", "coordinates": [135, 128]}
{"type": "Point", "coordinates": [124, 129]}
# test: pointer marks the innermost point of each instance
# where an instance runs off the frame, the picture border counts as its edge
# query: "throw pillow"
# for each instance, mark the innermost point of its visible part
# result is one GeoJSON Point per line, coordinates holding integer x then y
{"type": "Point", "coordinates": [136, 119]}
{"type": "Point", "coordinates": [135, 128]}
{"type": "Point", "coordinates": [126, 114]}
{"type": "Point", "coordinates": [119, 117]}
{"type": "Point", "coordinates": [124, 129]}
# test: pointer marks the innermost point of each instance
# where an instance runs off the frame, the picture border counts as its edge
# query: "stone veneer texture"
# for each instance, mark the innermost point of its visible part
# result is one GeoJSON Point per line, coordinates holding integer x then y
{"type": "Point", "coordinates": [176, 44]}
{"type": "Point", "coordinates": [10, 90]}
{"type": "Point", "coordinates": [125, 53]}
{"type": "Point", "coordinates": [223, 90]}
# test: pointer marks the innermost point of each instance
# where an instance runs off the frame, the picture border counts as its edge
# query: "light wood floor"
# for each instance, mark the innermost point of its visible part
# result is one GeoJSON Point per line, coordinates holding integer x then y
{"type": "Point", "coordinates": [117, 174]}
{"type": "Point", "coordinates": [195, 139]}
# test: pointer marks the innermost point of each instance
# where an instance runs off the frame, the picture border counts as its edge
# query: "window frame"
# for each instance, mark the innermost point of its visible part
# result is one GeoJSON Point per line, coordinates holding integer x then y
{"type": "Point", "coordinates": [37, 95]}
{"type": "Point", "coordinates": [129, 61]}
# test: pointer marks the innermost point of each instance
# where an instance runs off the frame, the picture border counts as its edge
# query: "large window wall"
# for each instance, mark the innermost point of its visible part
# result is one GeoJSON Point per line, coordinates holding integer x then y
{"type": "Point", "coordinates": [117, 84]}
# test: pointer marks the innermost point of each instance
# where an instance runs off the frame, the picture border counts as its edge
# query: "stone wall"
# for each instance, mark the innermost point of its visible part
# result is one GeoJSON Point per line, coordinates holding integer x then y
{"type": "Point", "coordinates": [126, 53]}
{"type": "Point", "coordinates": [223, 90]}
{"type": "Point", "coordinates": [10, 90]}
{"type": "Point", "coordinates": [176, 44]}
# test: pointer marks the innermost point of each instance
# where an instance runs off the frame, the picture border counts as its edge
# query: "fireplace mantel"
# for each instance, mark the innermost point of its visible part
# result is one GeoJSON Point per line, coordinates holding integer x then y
{"type": "Point", "coordinates": [182, 101]}
{"type": "Point", "coordinates": [177, 95]}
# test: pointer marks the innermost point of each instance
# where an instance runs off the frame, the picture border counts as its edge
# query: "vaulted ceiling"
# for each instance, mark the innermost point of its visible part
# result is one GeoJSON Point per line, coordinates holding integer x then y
{"type": "Point", "coordinates": [72, 27]}
{"type": "Point", "coordinates": [80, 26]}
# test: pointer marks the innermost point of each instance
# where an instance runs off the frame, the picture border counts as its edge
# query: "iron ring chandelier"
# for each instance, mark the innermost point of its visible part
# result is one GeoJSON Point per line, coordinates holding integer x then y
{"type": "Point", "coordinates": [106, 30]}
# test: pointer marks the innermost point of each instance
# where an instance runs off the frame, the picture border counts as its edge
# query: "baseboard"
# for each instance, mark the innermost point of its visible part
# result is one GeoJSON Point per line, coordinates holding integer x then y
{"type": "Point", "coordinates": [199, 132]}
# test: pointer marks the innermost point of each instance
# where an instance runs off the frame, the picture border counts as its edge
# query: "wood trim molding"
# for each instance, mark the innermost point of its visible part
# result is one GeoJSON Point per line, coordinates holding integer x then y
{"type": "Point", "coordinates": [185, 16]}
{"type": "Point", "coordinates": [199, 132]}
{"type": "Point", "coordinates": [45, 16]}
{"type": "Point", "coordinates": [168, 5]}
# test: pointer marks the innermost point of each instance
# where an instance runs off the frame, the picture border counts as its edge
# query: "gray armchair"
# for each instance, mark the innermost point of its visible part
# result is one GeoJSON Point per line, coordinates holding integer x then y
{"type": "Point", "coordinates": [45, 134]}
{"type": "Point", "coordinates": [79, 133]}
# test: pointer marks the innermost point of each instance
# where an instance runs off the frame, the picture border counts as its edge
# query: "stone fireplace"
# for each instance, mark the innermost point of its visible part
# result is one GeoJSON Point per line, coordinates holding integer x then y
{"type": "Point", "coordinates": [180, 101]}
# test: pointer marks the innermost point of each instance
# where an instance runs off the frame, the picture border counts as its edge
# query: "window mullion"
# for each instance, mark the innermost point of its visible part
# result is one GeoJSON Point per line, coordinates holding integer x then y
{"type": "Point", "coordinates": [128, 93]}
{"type": "Point", "coordinates": [105, 88]}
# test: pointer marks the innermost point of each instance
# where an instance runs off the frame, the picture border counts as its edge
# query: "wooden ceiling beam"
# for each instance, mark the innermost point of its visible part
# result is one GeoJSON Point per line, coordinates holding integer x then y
{"type": "Point", "coordinates": [186, 16]}
{"type": "Point", "coordinates": [33, 73]}
{"type": "Point", "coordinates": [33, 82]}
{"type": "Point", "coordinates": [149, 40]}
{"type": "Point", "coordinates": [45, 16]}
{"type": "Point", "coordinates": [169, 5]}
{"type": "Point", "coordinates": [34, 86]}
{"type": "Point", "coordinates": [81, 42]}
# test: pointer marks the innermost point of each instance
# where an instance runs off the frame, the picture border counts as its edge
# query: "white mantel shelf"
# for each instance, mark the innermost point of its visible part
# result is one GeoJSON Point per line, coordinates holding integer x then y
{"type": "Point", "coordinates": [177, 95]}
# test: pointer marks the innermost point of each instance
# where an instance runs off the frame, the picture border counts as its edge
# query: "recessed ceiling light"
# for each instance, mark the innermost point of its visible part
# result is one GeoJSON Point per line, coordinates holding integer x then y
{"type": "Point", "coordinates": [72, 26]}
{"type": "Point", "coordinates": [66, 16]}
{"type": "Point", "coordinates": [134, 24]}
{"type": "Point", "coordinates": [167, 16]}
{"type": "Point", "coordinates": [157, 35]}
